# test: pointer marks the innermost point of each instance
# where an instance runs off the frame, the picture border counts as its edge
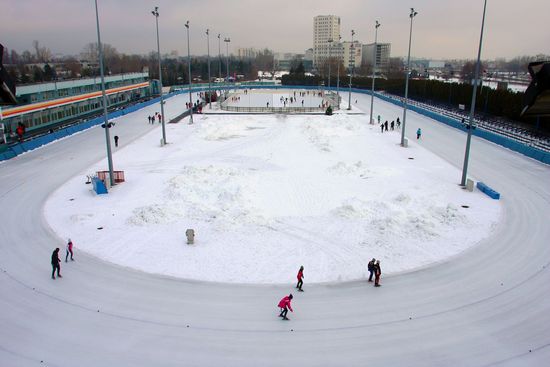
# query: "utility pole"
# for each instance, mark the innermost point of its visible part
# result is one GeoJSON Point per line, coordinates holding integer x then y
{"type": "Point", "coordinates": [373, 69]}
{"type": "Point", "coordinates": [156, 14]}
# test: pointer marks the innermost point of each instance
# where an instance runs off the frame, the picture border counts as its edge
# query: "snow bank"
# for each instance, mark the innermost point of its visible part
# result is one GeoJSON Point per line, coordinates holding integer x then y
{"type": "Point", "coordinates": [266, 194]}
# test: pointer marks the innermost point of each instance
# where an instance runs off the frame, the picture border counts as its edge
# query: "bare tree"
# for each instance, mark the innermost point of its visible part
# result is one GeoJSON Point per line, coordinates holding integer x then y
{"type": "Point", "coordinates": [43, 54]}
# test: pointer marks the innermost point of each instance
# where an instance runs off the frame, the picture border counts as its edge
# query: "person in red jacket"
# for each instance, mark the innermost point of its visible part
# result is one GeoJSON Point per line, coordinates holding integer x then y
{"type": "Point", "coordinates": [284, 305]}
{"type": "Point", "coordinates": [300, 279]}
{"type": "Point", "coordinates": [69, 250]}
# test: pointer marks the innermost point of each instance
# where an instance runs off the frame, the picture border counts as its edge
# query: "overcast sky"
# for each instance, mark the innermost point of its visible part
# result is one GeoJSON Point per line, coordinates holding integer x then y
{"type": "Point", "coordinates": [443, 28]}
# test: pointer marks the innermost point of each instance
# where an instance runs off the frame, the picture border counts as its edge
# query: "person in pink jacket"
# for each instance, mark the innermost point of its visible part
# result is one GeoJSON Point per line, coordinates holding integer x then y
{"type": "Point", "coordinates": [284, 305]}
{"type": "Point", "coordinates": [300, 277]}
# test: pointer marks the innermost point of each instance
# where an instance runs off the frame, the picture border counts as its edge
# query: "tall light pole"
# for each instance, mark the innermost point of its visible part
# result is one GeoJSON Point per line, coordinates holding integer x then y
{"type": "Point", "coordinates": [373, 69]}
{"type": "Point", "coordinates": [352, 67]}
{"type": "Point", "coordinates": [220, 55]}
{"type": "Point", "coordinates": [412, 15]}
{"type": "Point", "coordinates": [156, 14]}
{"type": "Point", "coordinates": [227, 40]}
{"type": "Point", "coordinates": [209, 79]}
{"type": "Point", "coordinates": [329, 41]}
{"type": "Point", "coordinates": [470, 126]}
{"type": "Point", "coordinates": [189, 71]}
{"type": "Point", "coordinates": [107, 137]}
{"type": "Point", "coordinates": [338, 71]}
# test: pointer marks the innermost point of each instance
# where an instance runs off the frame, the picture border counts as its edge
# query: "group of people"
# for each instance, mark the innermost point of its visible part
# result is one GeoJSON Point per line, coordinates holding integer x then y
{"type": "Point", "coordinates": [156, 116]}
{"type": "Point", "coordinates": [375, 269]}
{"type": "Point", "coordinates": [285, 303]}
{"type": "Point", "coordinates": [392, 125]}
{"type": "Point", "coordinates": [56, 261]}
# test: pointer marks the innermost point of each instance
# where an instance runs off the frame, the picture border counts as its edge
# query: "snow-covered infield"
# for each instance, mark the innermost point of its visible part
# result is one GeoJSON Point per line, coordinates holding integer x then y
{"type": "Point", "coordinates": [266, 194]}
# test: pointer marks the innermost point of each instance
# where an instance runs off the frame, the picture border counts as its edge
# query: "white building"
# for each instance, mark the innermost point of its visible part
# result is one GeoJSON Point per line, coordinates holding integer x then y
{"type": "Point", "coordinates": [382, 56]}
{"type": "Point", "coordinates": [352, 54]}
{"type": "Point", "coordinates": [325, 28]}
{"type": "Point", "coordinates": [246, 53]}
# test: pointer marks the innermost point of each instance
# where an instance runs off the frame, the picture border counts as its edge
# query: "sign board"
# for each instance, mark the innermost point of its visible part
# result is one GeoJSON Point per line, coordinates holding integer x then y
{"type": "Point", "coordinates": [461, 107]}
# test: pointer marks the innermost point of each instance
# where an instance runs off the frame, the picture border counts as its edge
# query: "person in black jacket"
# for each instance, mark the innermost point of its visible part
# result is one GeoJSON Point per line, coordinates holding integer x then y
{"type": "Point", "coordinates": [56, 263]}
{"type": "Point", "coordinates": [370, 267]}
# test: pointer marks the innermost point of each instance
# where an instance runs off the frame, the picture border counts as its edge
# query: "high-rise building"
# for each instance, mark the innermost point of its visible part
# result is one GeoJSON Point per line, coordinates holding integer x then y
{"type": "Point", "coordinates": [381, 56]}
{"type": "Point", "coordinates": [325, 28]}
{"type": "Point", "coordinates": [246, 53]}
{"type": "Point", "coordinates": [351, 54]}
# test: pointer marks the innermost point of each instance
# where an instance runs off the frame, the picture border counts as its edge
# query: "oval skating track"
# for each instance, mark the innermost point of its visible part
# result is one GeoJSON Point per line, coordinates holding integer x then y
{"type": "Point", "coordinates": [488, 306]}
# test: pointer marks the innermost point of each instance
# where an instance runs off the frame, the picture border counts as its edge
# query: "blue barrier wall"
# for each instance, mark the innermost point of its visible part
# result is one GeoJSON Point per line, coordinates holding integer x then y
{"type": "Point", "coordinates": [516, 146]}
{"type": "Point", "coordinates": [45, 139]}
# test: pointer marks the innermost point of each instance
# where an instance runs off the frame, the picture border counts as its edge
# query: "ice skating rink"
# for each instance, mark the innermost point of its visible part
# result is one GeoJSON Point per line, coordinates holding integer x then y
{"type": "Point", "coordinates": [487, 306]}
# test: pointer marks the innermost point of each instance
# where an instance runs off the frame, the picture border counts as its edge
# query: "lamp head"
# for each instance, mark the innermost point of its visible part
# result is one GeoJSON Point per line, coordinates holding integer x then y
{"type": "Point", "coordinates": [377, 24]}
{"type": "Point", "coordinates": [207, 31]}
{"type": "Point", "coordinates": [187, 24]}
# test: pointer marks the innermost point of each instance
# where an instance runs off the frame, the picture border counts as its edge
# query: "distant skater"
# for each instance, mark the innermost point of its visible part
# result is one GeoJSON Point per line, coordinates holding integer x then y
{"type": "Point", "coordinates": [418, 133]}
{"type": "Point", "coordinates": [382, 128]}
{"type": "Point", "coordinates": [284, 305]}
{"type": "Point", "coordinates": [55, 263]}
{"type": "Point", "coordinates": [149, 118]}
{"type": "Point", "coordinates": [370, 267]}
{"type": "Point", "coordinates": [386, 125]}
{"type": "Point", "coordinates": [392, 125]}
{"type": "Point", "coordinates": [398, 123]}
{"type": "Point", "coordinates": [116, 140]}
{"type": "Point", "coordinates": [377, 273]}
{"type": "Point", "coordinates": [69, 250]}
{"type": "Point", "coordinates": [300, 279]}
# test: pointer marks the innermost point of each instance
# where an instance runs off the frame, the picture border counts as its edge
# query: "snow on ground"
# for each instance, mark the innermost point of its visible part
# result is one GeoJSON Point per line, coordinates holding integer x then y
{"type": "Point", "coordinates": [268, 193]}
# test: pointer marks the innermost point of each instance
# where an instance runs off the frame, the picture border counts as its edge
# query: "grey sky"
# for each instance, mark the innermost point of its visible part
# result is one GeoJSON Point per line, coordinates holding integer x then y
{"type": "Point", "coordinates": [442, 29]}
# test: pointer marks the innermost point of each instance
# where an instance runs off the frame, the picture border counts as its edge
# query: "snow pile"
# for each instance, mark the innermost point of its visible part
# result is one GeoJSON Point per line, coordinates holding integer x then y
{"type": "Point", "coordinates": [266, 194]}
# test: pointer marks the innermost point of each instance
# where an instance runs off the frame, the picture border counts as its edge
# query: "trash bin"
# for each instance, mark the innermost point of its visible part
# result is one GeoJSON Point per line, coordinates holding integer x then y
{"type": "Point", "coordinates": [190, 233]}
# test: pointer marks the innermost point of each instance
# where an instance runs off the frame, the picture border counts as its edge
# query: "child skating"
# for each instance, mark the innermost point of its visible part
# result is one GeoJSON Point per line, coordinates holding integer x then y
{"type": "Point", "coordinates": [300, 279]}
{"type": "Point", "coordinates": [284, 305]}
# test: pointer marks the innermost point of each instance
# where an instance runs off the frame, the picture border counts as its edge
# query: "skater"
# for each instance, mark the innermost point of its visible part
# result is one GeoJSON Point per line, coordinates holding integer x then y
{"type": "Point", "coordinates": [153, 120]}
{"type": "Point", "coordinates": [149, 118]}
{"type": "Point", "coordinates": [300, 279]}
{"type": "Point", "coordinates": [386, 125]}
{"type": "Point", "coordinates": [69, 250]}
{"type": "Point", "coordinates": [382, 128]}
{"type": "Point", "coordinates": [378, 119]}
{"type": "Point", "coordinates": [55, 263]}
{"type": "Point", "coordinates": [398, 123]}
{"type": "Point", "coordinates": [418, 133]}
{"type": "Point", "coordinates": [267, 104]}
{"type": "Point", "coordinates": [377, 273]}
{"type": "Point", "coordinates": [160, 118]}
{"type": "Point", "coordinates": [370, 267]}
{"type": "Point", "coordinates": [116, 140]}
{"type": "Point", "coordinates": [392, 125]}
{"type": "Point", "coordinates": [284, 305]}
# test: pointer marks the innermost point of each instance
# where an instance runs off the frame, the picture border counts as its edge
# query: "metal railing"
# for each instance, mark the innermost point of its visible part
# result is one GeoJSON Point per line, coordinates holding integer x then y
{"type": "Point", "coordinates": [286, 110]}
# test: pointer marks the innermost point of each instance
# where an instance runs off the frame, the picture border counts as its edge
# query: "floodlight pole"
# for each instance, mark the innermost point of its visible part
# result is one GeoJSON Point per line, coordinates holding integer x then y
{"type": "Point", "coordinates": [156, 14]}
{"type": "Point", "coordinates": [219, 56]}
{"type": "Point", "coordinates": [471, 126]}
{"type": "Point", "coordinates": [106, 119]}
{"type": "Point", "coordinates": [227, 40]}
{"type": "Point", "coordinates": [412, 15]}
{"type": "Point", "coordinates": [338, 71]}
{"type": "Point", "coordinates": [209, 79]}
{"type": "Point", "coordinates": [352, 57]}
{"type": "Point", "coordinates": [329, 41]}
{"type": "Point", "coordinates": [189, 63]}
{"type": "Point", "coordinates": [373, 69]}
